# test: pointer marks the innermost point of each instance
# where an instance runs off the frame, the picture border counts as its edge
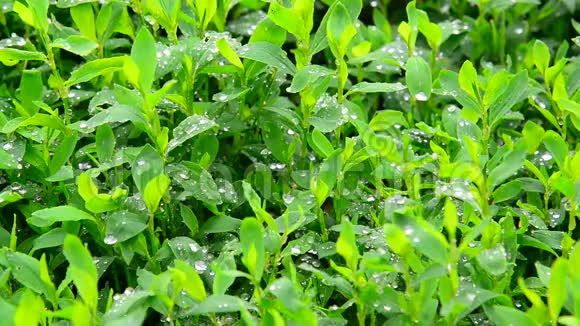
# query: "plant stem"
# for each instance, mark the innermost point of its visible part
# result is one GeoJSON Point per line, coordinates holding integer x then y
{"type": "Point", "coordinates": [322, 223]}
{"type": "Point", "coordinates": [62, 90]}
{"type": "Point", "coordinates": [360, 312]}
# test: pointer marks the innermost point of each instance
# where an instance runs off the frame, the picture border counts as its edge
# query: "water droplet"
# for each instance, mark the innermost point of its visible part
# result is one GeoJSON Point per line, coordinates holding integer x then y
{"type": "Point", "coordinates": [7, 146]}
{"type": "Point", "coordinates": [110, 239]}
{"type": "Point", "coordinates": [421, 97]}
{"type": "Point", "coordinates": [452, 108]}
{"type": "Point", "coordinates": [546, 156]}
{"type": "Point", "coordinates": [222, 97]}
{"type": "Point", "coordinates": [200, 266]}
{"type": "Point", "coordinates": [288, 198]}
{"type": "Point", "coordinates": [194, 247]}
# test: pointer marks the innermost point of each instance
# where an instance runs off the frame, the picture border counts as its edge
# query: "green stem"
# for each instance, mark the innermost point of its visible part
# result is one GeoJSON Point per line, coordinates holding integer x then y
{"type": "Point", "coordinates": [154, 244]}
{"type": "Point", "coordinates": [502, 37]}
{"type": "Point", "coordinates": [433, 60]}
{"type": "Point", "coordinates": [341, 81]}
{"type": "Point", "coordinates": [189, 95]}
{"type": "Point", "coordinates": [5, 29]}
{"type": "Point", "coordinates": [572, 221]}
{"type": "Point", "coordinates": [411, 114]}
{"type": "Point", "coordinates": [360, 312]}
{"type": "Point", "coordinates": [322, 223]}
{"type": "Point", "coordinates": [62, 90]}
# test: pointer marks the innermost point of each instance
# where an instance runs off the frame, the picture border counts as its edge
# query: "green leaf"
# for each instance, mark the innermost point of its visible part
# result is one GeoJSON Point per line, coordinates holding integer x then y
{"type": "Point", "coordinates": [29, 310]}
{"type": "Point", "coordinates": [191, 282]}
{"type": "Point", "coordinates": [49, 216]}
{"type": "Point", "coordinates": [346, 245]}
{"type": "Point", "coordinates": [340, 30]}
{"type": "Point", "coordinates": [268, 31]}
{"type": "Point", "coordinates": [511, 162]}
{"type": "Point", "coordinates": [541, 55]}
{"type": "Point", "coordinates": [116, 113]}
{"type": "Point", "coordinates": [252, 245]}
{"type": "Point", "coordinates": [501, 315]}
{"type": "Point", "coordinates": [533, 134]}
{"type": "Point", "coordinates": [86, 187]}
{"type": "Point", "coordinates": [7, 161]}
{"type": "Point", "coordinates": [418, 78]}
{"type": "Point", "coordinates": [493, 260]}
{"type": "Point", "coordinates": [230, 94]}
{"type": "Point", "coordinates": [425, 239]}
{"type": "Point", "coordinates": [256, 204]}
{"type": "Point", "coordinates": [274, 138]}
{"type": "Point", "coordinates": [432, 32]}
{"type": "Point", "coordinates": [123, 225]}
{"type": "Point", "coordinates": [289, 20]}
{"type": "Point", "coordinates": [43, 120]}
{"type": "Point", "coordinates": [221, 224]}
{"type": "Point", "coordinates": [76, 44]}
{"type": "Point", "coordinates": [39, 10]}
{"type": "Point", "coordinates": [320, 189]}
{"type": "Point", "coordinates": [188, 128]}
{"type": "Point", "coordinates": [222, 266]}
{"type": "Point", "coordinates": [570, 106]}
{"type": "Point", "coordinates": [64, 173]}
{"type": "Point", "coordinates": [154, 191]}
{"type": "Point", "coordinates": [26, 270]}
{"type": "Point", "coordinates": [495, 86]}
{"type": "Point", "coordinates": [286, 292]}
{"type": "Point", "coordinates": [95, 68]}
{"type": "Point", "coordinates": [189, 219]}
{"type": "Point", "coordinates": [513, 92]}
{"type": "Point", "coordinates": [228, 53]}
{"type": "Point", "coordinates": [84, 17]}
{"type": "Point", "coordinates": [307, 76]}
{"type": "Point", "coordinates": [50, 239]}
{"type": "Point", "coordinates": [449, 81]}
{"type": "Point", "coordinates": [31, 81]}
{"type": "Point", "coordinates": [450, 217]}
{"type": "Point", "coordinates": [557, 290]}
{"type": "Point", "coordinates": [216, 304]}
{"type": "Point", "coordinates": [385, 119]}
{"type": "Point", "coordinates": [15, 55]}
{"type": "Point", "coordinates": [269, 54]}
{"type": "Point", "coordinates": [397, 240]}
{"type": "Point", "coordinates": [557, 146]}
{"type": "Point", "coordinates": [206, 9]}
{"type": "Point", "coordinates": [144, 55]}
{"type": "Point", "coordinates": [82, 269]}
{"type": "Point", "coordinates": [105, 141]}
{"type": "Point", "coordinates": [365, 87]}
{"type": "Point", "coordinates": [507, 191]}
{"type": "Point", "coordinates": [196, 181]}
{"type": "Point", "coordinates": [63, 153]}
{"type": "Point", "coordinates": [146, 166]}
{"type": "Point", "coordinates": [468, 79]}
{"type": "Point", "coordinates": [165, 13]}
{"type": "Point", "coordinates": [320, 42]}
{"type": "Point", "coordinates": [320, 143]}
{"type": "Point", "coordinates": [129, 309]}
{"type": "Point", "coordinates": [72, 3]}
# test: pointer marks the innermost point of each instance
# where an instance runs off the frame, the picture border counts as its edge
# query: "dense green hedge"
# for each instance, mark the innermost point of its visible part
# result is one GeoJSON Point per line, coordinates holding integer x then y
{"type": "Point", "coordinates": [198, 162]}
